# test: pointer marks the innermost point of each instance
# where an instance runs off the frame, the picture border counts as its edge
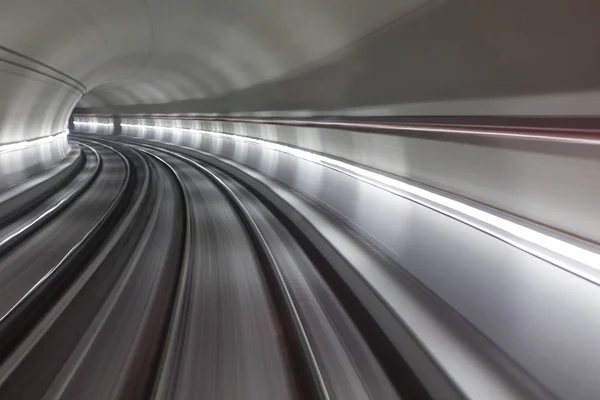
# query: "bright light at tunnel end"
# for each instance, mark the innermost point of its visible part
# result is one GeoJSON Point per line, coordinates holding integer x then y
{"type": "Point", "coordinates": [529, 239]}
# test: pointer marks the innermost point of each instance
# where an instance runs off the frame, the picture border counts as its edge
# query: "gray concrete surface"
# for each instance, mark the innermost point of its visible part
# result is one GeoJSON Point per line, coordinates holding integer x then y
{"type": "Point", "coordinates": [435, 57]}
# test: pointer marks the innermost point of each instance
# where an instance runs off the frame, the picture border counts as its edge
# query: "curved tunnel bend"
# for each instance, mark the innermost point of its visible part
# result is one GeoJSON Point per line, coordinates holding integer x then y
{"type": "Point", "coordinates": [328, 200]}
{"type": "Point", "coordinates": [178, 280]}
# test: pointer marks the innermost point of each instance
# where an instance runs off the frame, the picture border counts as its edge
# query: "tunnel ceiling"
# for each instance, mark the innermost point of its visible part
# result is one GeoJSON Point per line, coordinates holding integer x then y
{"type": "Point", "coordinates": [191, 49]}
{"type": "Point", "coordinates": [183, 56]}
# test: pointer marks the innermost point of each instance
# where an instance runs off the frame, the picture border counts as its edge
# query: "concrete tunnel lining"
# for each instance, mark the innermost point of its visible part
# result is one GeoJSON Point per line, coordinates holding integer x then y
{"type": "Point", "coordinates": [189, 56]}
{"type": "Point", "coordinates": [120, 59]}
{"type": "Point", "coordinates": [412, 57]}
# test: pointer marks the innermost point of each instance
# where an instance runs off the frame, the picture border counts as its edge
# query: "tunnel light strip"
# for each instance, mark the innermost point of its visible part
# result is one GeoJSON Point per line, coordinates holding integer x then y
{"type": "Point", "coordinates": [441, 203]}
{"type": "Point", "coordinates": [94, 124]}
{"type": "Point", "coordinates": [33, 142]}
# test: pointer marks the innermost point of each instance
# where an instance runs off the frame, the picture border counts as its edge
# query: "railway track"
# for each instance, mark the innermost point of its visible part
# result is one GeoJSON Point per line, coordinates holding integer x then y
{"type": "Point", "coordinates": [148, 274]}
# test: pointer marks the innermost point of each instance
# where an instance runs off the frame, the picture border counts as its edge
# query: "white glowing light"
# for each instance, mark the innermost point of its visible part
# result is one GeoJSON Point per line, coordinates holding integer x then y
{"type": "Point", "coordinates": [93, 124]}
{"type": "Point", "coordinates": [530, 239]}
{"type": "Point", "coordinates": [33, 142]}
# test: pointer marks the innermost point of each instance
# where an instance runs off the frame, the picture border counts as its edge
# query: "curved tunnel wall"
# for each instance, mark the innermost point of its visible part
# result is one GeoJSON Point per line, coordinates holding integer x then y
{"type": "Point", "coordinates": [410, 57]}
{"type": "Point", "coordinates": [23, 160]}
{"type": "Point", "coordinates": [424, 58]}
{"type": "Point", "coordinates": [459, 264]}
{"type": "Point", "coordinates": [350, 57]}
{"type": "Point", "coordinates": [542, 180]}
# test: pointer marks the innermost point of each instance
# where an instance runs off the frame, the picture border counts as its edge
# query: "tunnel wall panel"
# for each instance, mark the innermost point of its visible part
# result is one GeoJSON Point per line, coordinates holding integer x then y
{"type": "Point", "coordinates": [548, 183]}
{"type": "Point", "coordinates": [511, 296]}
{"type": "Point", "coordinates": [35, 104]}
{"type": "Point", "coordinates": [17, 163]}
{"type": "Point", "coordinates": [100, 125]}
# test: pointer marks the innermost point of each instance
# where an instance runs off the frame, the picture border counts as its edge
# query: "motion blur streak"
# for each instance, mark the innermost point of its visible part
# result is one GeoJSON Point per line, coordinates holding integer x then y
{"type": "Point", "coordinates": [169, 240]}
{"type": "Point", "coordinates": [527, 238]}
{"type": "Point", "coordinates": [33, 142]}
{"type": "Point", "coordinates": [177, 238]}
{"type": "Point", "coordinates": [560, 135]}
{"type": "Point", "coordinates": [299, 200]}
{"type": "Point", "coordinates": [93, 124]}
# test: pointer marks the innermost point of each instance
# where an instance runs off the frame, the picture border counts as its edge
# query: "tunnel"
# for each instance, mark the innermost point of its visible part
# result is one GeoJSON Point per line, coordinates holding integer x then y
{"type": "Point", "coordinates": [328, 200]}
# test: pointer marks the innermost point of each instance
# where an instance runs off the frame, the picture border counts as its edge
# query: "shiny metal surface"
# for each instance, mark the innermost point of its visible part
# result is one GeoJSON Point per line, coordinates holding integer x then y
{"type": "Point", "coordinates": [23, 160]}
{"type": "Point", "coordinates": [543, 175]}
{"type": "Point", "coordinates": [227, 330]}
{"type": "Point", "coordinates": [505, 293]}
{"type": "Point", "coordinates": [175, 299]}
{"type": "Point", "coordinates": [339, 218]}
{"type": "Point", "coordinates": [341, 363]}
